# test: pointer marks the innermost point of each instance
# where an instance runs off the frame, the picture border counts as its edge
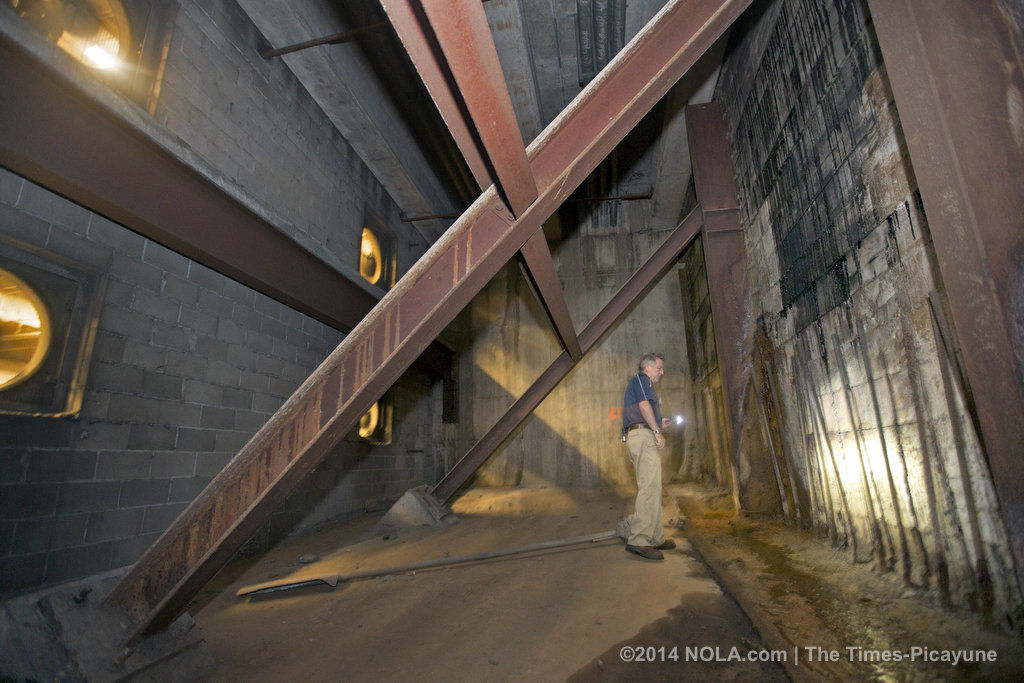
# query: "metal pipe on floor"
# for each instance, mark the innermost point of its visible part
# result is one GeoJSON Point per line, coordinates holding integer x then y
{"type": "Point", "coordinates": [335, 579]}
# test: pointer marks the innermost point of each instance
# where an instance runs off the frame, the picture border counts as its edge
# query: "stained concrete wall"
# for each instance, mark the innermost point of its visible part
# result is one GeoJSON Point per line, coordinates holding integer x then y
{"type": "Point", "coordinates": [189, 364]}
{"type": "Point", "coordinates": [841, 273]}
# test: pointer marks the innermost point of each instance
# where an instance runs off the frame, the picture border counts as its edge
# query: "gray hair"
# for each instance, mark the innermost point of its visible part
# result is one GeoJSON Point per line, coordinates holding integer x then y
{"type": "Point", "coordinates": [650, 359]}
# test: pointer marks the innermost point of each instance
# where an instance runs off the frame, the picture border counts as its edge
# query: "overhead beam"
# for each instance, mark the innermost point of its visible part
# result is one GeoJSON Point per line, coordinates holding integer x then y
{"type": "Point", "coordinates": [540, 269]}
{"type": "Point", "coordinates": [329, 404]}
{"type": "Point", "coordinates": [957, 75]}
{"type": "Point", "coordinates": [74, 146]}
{"type": "Point", "coordinates": [451, 45]}
{"type": "Point", "coordinates": [724, 256]}
{"type": "Point", "coordinates": [644, 277]}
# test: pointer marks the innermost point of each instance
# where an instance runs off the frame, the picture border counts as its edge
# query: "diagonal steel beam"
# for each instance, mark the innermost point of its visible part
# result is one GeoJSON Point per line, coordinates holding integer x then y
{"type": "Point", "coordinates": [644, 276]}
{"type": "Point", "coordinates": [451, 46]}
{"type": "Point", "coordinates": [329, 404]}
{"type": "Point", "coordinates": [540, 269]}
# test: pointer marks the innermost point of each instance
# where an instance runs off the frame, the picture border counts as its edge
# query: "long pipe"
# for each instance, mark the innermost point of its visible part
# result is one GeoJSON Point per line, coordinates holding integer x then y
{"type": "Point", "coordinates": [335, 579]}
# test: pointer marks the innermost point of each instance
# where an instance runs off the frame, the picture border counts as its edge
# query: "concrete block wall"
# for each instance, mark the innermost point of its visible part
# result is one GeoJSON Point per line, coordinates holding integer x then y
{"type": "Point", "coordinates": [251, 120]}
{"type": "Point", "coordinates": [187, 365]}
{"type": "Point", "coordinates": [841, 271]}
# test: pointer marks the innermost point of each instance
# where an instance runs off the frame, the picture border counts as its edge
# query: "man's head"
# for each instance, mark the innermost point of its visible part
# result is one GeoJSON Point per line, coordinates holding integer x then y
{"type": "Point", "coordinates": [652, 365]}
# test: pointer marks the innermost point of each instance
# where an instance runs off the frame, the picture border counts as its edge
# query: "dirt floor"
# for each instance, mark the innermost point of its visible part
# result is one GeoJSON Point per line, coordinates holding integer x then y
{"type": "Point", "coordinates": [587, 612]}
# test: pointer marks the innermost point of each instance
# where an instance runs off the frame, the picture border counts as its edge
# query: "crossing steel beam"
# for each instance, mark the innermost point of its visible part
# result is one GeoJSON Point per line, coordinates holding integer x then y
{"type": "Point", "coordinates": [540, 269]}
{"type": "Point", "coordinates": [637, 284]}
{"type": "Point", "coordinates": [329, 404]}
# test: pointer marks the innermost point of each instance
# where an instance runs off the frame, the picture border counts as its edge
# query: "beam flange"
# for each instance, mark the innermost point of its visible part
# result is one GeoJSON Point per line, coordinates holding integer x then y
{"type": "Point", "coordinates": [643, 278]}
{"type": "Point", "coordinates": [329, 404]}
{"type": "Point", "coordinates": [540, 269]}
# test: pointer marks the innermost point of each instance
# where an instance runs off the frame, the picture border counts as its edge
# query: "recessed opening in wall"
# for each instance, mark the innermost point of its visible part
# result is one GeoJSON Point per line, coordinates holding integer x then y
{"type": "Point", "coordinates": [49, 310]}
{"type": "Point", "coordinates": [24, 330]}
{"type": "Point", "coordinates": [125, 42]}
{"type": "Point", "coordinates": [375, 424]}
{"type": "Point", "coordinates": [371, 264]}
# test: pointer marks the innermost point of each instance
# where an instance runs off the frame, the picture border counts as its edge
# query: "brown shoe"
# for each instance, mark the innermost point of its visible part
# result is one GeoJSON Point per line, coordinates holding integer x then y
{"type": "Point", "coordinates": [667, 544]}
{"type": "Point", "coordinates": [646, 552]}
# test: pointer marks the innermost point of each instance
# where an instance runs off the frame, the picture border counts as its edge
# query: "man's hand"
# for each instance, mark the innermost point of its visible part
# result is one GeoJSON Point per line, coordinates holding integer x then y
{"type": "Point", "coordinates": [659, 440]}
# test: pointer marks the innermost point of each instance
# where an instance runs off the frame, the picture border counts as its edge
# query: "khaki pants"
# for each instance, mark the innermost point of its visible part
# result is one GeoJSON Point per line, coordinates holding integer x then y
{"type": "Point", "coordinates": [645, 523]}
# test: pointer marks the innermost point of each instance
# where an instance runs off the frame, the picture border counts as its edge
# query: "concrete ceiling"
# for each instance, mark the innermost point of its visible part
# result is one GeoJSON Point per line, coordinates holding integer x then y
{"type": "Point", "coordinates": [370, 91]}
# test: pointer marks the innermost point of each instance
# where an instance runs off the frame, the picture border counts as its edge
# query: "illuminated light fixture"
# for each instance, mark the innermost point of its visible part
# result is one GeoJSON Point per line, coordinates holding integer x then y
{"type": "Point", "coordinates": [679, 419]}
{"type": "Point", "coordinates": [24, 330]}
{"type": "Point", "coordinates": [371, 264]}
{"type": "Point", "coordinates": [97, 55]}
{"type": "Point", "coordinates": [368, 422]}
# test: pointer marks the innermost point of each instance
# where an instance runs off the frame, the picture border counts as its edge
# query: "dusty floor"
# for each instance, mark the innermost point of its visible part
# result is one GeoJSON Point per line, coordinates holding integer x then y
{"type": "Point", "coordinates": [570, 613]}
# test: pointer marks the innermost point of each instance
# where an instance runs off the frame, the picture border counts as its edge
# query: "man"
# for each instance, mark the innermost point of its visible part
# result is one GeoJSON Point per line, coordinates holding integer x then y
{"type": "Point", "coordinates": [642, 424]}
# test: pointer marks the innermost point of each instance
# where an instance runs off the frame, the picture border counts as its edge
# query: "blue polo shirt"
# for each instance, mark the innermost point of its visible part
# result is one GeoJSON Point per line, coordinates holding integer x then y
{"type": "Point", "coordinates": [640, 388]}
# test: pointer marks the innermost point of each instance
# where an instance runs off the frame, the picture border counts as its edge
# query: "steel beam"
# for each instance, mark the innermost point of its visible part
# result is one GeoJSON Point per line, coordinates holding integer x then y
{"type": "Point", "coordinates": [76, 147]}
{"type": "Point", "coordinates": [724, 255]}
{"type": "Point", "coordinates": [329, 404]}
{"type": "Point", "coordinates": [451, 46]}
{"type": "Point", "coordinates": [957, 75]}
{"type": "Point", "coordinates": [637, 284]}
{"type": "Point", "coordinates": [540, 269]}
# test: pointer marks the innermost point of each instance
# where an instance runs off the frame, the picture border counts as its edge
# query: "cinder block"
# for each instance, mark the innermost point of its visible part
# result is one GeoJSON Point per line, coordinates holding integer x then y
{"type": "Point", "coordinates": [211, 348]}
{"type": "Point", "coordinates": [210, 464]}
{"type": "Point", "coordinates": [78, 248]}
{"type": "Point", "coordinates": [239, 292]}
{"type": "Point", "coordinates": [254, 381]}
{"type": "Point", "coordinates": [21, 501]}
{"type": "Point", "coordinates": [32, 536]}
{"type": "Point", "coordinates": [135, 272]}
{"type": "Point", "coordinates": [69, 530]}
{"type": "Point", "coordinates": [175, 463]}
{"type": "Point", "coordinates": [237, 398]}
{"type": "Point", "coordinates": [137, 492]}
{"type": "Point", "coordinates": [128, 323]}
{"type": "Point", "coordinates": [197, 440]}
{"type": "Point", "coordinates": [88, 496]}
{"type": "Point", "coordinates": [12, 465]}
{"type": "Point", "coordinates": [249, 421]}
{"type": "Point", "coordinates": [206, 278]}
{"type": "Point", "coordinates": [115, 377]}
{"type": "Point", "coordinates": [108, 347]}
{"type": "Point", "coordinates": [71, 563]}
{"type": "Point", "coordinates": [6, 536]}
{"type": "Point", "coordinates": [179, 289]}
{"type": "Point", "coordinates": [123, 465]}
{"type": "Point", "coordinates": [165, 259]}
{"type": "Point", "coordinates": [217, 417]}
{"type": "Point", "coordinates": [10, 186]}
{"type": "Point", "coordinates": [114, 235]}
{"type": "Point", "coordinates": [186, 364]}
{"type": "Point", "coordinates": [198, 391]}
{"type": "Point", "coordinates": [127, 550]}
{"type": "Point", "coordinates": [260, 342]}
{"type": "Point", "coordinates": [269, 365]}
{"type": "Point", "coordinates": [160, 385]}
{"type": "Point", "coordinates": [222, 372]}
{"type": "Point", "coordinates": [240, 356]}
{"type": "Point", "coordinates": [151, 437]}
{"type": "Point", "coordinates": [23, 227]}
{"type": "Point", "coordinates": [35, 433]}
{"type": "Point", "coordinates": [53, 208]}
{"type": "Point", "coordinates": [273, 327]}
{"type": "Point", "coordinates": [199, 321]}
{"type": "Point", "coordinates": [159, 517]}
{"type": "Point", "coordinates": [112, 524]}
{"type": "Point", "coordinates": [61, 466]}
{"type": "Point", "coordinates": [265, 403]}
{"type": "Point", "coordinates": [21, 572]}
{"type": "Point", "coordinates": [246, 318]}
{"type": "Point", "coordinates": [102, 435]}
{"type": "Point", "coordinates": [172, 336]}
{"type": "Point", "coordinates": [155, 305]}
{"type": "Point", "coordinates": [187, 488]}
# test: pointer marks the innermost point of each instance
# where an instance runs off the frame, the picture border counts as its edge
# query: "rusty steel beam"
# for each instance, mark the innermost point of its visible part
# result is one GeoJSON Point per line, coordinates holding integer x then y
{"type": "Point", "coordinates": [724, 255]}
{"type": "Point", "coordinates": [957, 75]}
{"type": "Point", "coordinates": [645, 276]}
{"type": "Point", "coordinates": [329, 404]}
{"type": "Point", "coordinates": [76, 147]}
{"type": "Point", "coordinates": [540, 269]}
{"type": "Point", "coordinates": [451, 46]}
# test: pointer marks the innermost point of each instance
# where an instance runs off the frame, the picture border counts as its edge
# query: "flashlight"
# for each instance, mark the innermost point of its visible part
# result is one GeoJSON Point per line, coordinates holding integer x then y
{"type": "Point", "coordinates": [679, 419]}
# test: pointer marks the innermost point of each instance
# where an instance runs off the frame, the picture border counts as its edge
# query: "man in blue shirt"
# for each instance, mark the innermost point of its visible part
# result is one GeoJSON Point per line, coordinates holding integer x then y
{"type": "Point", "coordinates": [642, 424]}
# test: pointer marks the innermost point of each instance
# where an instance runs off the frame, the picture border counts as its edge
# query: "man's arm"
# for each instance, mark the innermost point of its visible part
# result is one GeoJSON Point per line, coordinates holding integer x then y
{"type": "Point", "coordinates": [648, 414]}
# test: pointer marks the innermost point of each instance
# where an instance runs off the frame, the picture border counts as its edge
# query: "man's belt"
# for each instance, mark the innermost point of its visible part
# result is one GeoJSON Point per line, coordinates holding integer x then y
{"type": "Point", "coordinates": [638, 426]}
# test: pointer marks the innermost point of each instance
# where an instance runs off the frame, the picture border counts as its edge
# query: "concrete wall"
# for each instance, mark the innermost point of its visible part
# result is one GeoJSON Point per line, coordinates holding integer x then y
{"type": "Point", "coordinates": [841, 268]}
{"type": "Point", "coordinates": [189, 364]}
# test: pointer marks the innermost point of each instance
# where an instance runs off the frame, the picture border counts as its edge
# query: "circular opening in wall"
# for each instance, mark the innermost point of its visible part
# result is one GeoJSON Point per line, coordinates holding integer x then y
{"type": "Point", "coordinates": [368, 422]}
{"type": "Point", "coordinates": [24, 330]}
{"type": "Point", "coordinates": [370, 261]}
